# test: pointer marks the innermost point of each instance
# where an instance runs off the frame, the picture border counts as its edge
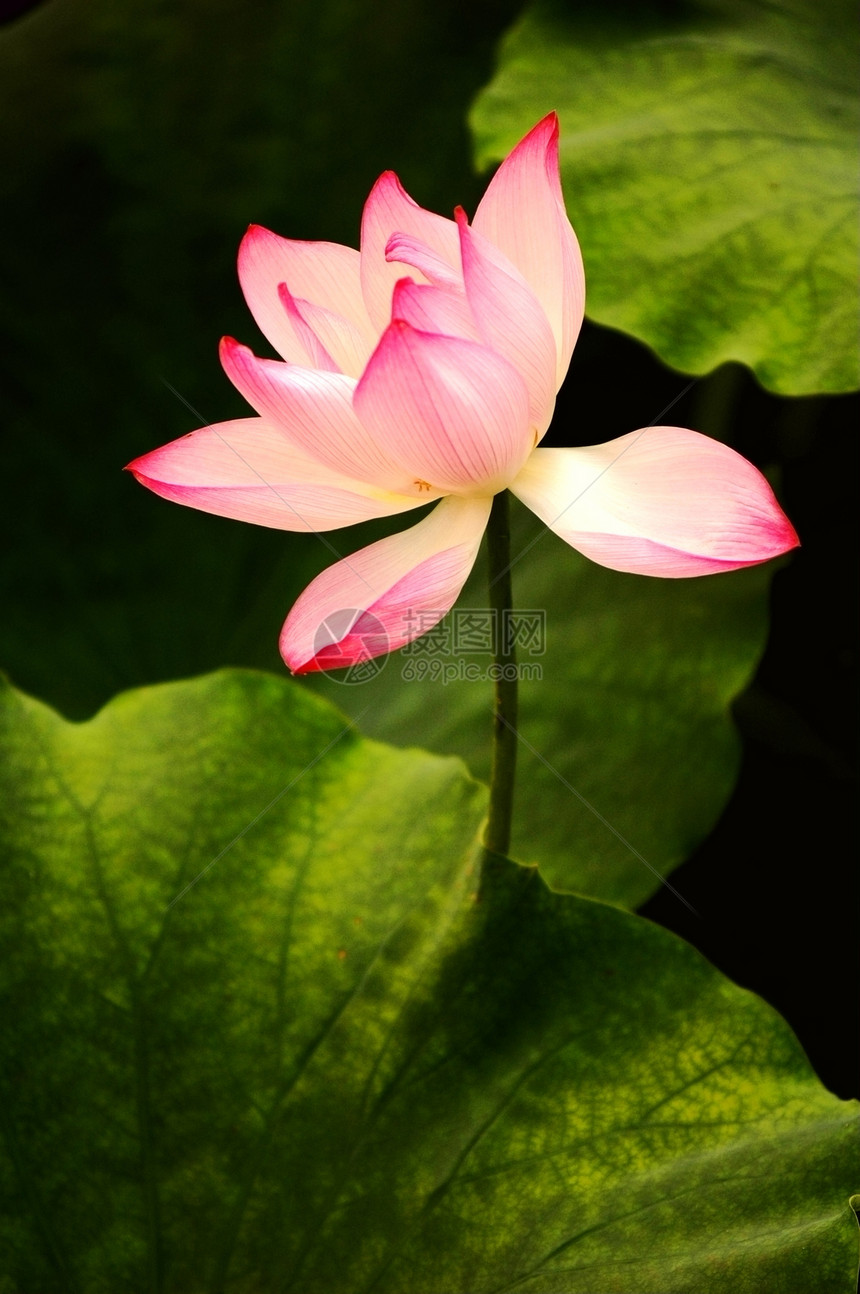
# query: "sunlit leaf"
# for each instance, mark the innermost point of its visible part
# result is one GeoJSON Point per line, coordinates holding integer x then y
{"type": "Point", "coordinates": [709, 164]}
{"type": "Point", "coordinates": [327, 1068]}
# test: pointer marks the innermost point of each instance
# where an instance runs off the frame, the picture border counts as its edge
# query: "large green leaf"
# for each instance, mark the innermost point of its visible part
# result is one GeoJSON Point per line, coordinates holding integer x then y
{"type": "Point", "coordinates": [628, 751]}
{"type": "Point", "coordinates": [709, 163]}
{"type": "Point", "coordinates": [326, 1067]}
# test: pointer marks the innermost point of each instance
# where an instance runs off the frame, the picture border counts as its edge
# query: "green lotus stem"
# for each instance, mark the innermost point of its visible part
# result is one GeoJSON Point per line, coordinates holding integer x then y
{"type": "Point", "coordinates": [497, 837]}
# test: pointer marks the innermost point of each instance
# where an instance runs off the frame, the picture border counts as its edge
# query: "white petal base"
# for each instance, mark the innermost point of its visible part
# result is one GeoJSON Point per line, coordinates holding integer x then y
{"type": "Point", "coordinates": [662, 501]}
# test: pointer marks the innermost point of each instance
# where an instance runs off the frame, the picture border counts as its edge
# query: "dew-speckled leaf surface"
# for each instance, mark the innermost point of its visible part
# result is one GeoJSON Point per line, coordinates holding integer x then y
{"type": "Point", "coordinates": [329, 1069]}
{"type": "Point", "coordinates": [709, 164]}
{"type": "Point", "coordinates": [629, 752]}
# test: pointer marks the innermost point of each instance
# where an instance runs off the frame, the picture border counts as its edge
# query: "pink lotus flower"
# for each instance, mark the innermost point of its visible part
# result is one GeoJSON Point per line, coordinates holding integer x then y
{"type": "Point", "coordinates": [425, 367]}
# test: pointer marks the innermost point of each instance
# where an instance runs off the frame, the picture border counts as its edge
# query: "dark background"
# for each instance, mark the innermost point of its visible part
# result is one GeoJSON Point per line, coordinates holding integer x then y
{"type": "Point", "coordinates": [137, 142]}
